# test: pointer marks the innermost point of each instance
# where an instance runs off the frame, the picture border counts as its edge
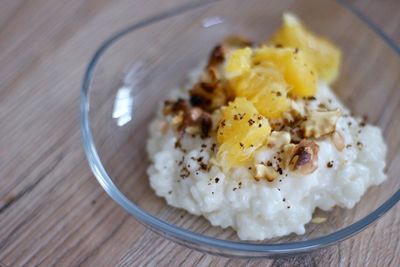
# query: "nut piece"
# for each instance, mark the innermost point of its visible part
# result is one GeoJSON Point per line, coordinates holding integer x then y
{"type": "Point", "coordinates": [287, 117]}
{"type": "Point", "coordinates": [196, 120]}
{"type": "Point", "coordinates": [295, 113]}
{"type": "Point", "coordinates": [211, 92]}
{"type": "Point", "coordinates": [320, 123]}
{"type": "Point", "coordinates": [318, 220]}
{"type": "Point", "coordinates": [278, 139]}
{"type": "Point", "coordinates": [236, 41]}
{"type": "Point", "coordinates": [297, 109]}
{"type": "Point", "coordinates": [195, 113]}
{"type": "Point", "coordinates": [192, 130]}
{"type": "Point", "coordinates": [338, 141]}
{"type": "Point", "coordinates": [265, 172]}
{"type": "Point", "coordinates": [173, 107]}
{"type": "Point", "coordinates": [303, 158]}
{"type": "Point", "coordinates": [288, 151]}
{"type": "Point", "coordinates": [177, 119]}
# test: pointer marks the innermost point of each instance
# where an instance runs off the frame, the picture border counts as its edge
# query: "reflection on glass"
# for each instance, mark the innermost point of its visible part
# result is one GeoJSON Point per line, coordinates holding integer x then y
{"type": "Point", "coordinates": [212, 21]}
{"type": "Point", "coordinates": [123, 105]}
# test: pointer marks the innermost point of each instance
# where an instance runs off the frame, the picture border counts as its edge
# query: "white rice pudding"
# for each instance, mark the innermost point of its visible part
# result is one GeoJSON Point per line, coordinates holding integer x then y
{"type": "Point", "coordinates": [260, 209]}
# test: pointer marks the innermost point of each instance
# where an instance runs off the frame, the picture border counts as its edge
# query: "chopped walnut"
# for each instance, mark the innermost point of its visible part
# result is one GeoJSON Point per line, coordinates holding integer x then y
{"type": "Point", "coordinates": [287, 154]}
{"type": "Point", "coordinates": [210, 92]}
{"type": "Point", "coordinates": [297, 109]}
{"type": "Point", "coordinates": [177, 120]}
{"type": "Point", "coordinates": [295, 113]}
{"type": "Point", "coordinates": [200, 119]}
{"type": "Point", "coordinates": [205, 124]}
{"type": "Point", "coordinates": [192, 130]}
{"type": "Point", "coordinates": [287, 117]}
{"type": "Point", "coordinates": [318, 220]}
{"type": "Point", "coordinates": [217, 55]}
{"type": "Point", "coordinates": [338, 141]}
{"type": "Point", "coordinates": [236, 41]}
{"type": "Point", "coordinates": [303, 157]}
{"type": "Point", "coordinates": [195, 113]}
{"type": "Point", "coordinates": [296, 135]}
{"type": "Point", "coordinates": [320, 123]}
{"type": "Point", "coordinates": [173, 107]}
{"type": "Point", "coordinates": [278, 139]}
{"type": "Point", "coordinates": [265, 172]}
{"type": "Point", "coordinates": [184, 117]}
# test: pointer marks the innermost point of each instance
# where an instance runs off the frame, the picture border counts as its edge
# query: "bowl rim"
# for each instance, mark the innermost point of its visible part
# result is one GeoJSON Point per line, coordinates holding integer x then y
{"type": "Point", "coordinates": [174, 232]}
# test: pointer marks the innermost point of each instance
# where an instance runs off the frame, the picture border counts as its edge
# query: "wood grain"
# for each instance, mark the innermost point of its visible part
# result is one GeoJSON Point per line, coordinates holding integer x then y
{"type": "Point", "coordinates": [52, 210]}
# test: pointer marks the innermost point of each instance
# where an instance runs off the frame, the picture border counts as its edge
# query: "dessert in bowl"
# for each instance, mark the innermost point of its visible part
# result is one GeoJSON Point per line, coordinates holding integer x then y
{"type": "Point", "coordinates": [120, 101]}
{"type": "Point", "coordinates": [257, 140]}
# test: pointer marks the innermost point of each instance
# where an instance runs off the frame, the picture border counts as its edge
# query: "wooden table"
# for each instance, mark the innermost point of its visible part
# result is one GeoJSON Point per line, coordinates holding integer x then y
{"type": "Point", "coordinates": [52, 210]}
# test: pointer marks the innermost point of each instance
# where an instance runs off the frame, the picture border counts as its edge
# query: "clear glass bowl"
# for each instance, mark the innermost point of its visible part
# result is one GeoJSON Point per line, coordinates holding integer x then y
{"type": "Point", "coordinates": [134, 69]}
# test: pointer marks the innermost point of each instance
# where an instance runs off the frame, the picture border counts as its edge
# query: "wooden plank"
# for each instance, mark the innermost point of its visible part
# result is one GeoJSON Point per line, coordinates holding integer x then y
{"type": "Point", "coordinates": [52, 210]}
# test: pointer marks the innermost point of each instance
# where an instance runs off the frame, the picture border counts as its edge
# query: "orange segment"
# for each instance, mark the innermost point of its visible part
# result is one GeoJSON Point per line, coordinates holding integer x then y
{"type": "Point", "coordinates": [238, 63]}
{"type": "Point", "coordinates": [324, 55]}
{"type": "Point", "coordinates": [240, 132]}
{"type": "Point", "coordinates": [298, 73]}
{"type": "Point", "coordinates": [266, 88]}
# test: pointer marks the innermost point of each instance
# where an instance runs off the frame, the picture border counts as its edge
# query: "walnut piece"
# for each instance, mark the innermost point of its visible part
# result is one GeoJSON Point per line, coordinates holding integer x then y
{"type": "Point", "coordinates": [192, 130]}
{"type": "Point", "coordinates": [173, 107]}
{"type": "Point", "coordinates": [318, 220]}
{"type": "Point", "coordinates": [177, 120]}
{"type": "Point", "coordinates": [211, 92]}
{"type": "Point", "coordinates": [196, 117]}
{"type": "Point", "coordinates": [320, 123]}
{"type": "Point", "coordinates": [195, 113]}
{"type": "Point", "coordinates": [295, 113]}
{"type": "Point", "coordinates": [188, 119]}
{"type": "Point", "coordinates": [236, 41]}
{"type": "Point", "coordinates": [265, 172]}
{"type": "Point", "coordinates": [303, 157]}
{"type": "Point", "coordinates": [278, 139]}
{"type": "Point", "coordinates": [287, 154]}
{"type": "Point", "coordinates": [297, 109]}
{"type": "Point", "coordinates": [338, 141]}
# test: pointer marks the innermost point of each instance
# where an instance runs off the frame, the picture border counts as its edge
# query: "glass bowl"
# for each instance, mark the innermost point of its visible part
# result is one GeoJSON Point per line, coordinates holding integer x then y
{"type": "Point", "coordinates": [136, 68]}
